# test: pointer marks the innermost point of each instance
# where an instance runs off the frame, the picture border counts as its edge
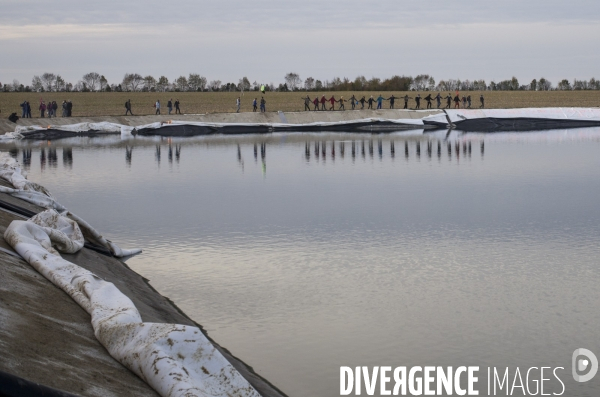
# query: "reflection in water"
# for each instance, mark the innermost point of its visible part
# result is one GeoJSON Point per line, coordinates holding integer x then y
{"type": "Point", "coordinates": [26, 158]}
{"type": "Point", "coordinates": [67, 157]}
{"type": "Point", "coordinates": [157, 153]}
{"type": "Point", "coordinates": [128, 155]}
{"type": "Point", "coordinates": [43, 158]}
{"type": "Point", "coordinates": [13, 152]}
{"type": "Point", "coordinates": [52, 157]}
{"type": "Point", "coordinates": [320, 149]}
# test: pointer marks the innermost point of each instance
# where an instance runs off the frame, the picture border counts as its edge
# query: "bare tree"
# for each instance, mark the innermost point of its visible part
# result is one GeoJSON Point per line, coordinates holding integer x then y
{"type": "Point", "coordinates": [215, 85]}
{"type": "Point", "coordinates": [59, 83]}
{"type": "Point", "coordinates": [544, 85]}
{"type": "Point", "coordinates": [181, 83]}
{"type": "Point", "coordinates": [48, 81]}
{"type": "Point", "coordinates": [292, 80]}
{"type": "Point", "coordinates": [132, 81]}
{"type": "Point", "coordinates": [163, 84]}
{"type": "Point", "coordinates": [420, 82]}
{"type": "Point", "coordinates": [309, 83]}
{"type": "Point", "coordinates": [92, 80]}
{"type": "Point", "coordinates": [197, 82]}
{"type": "Point", "coordinates": [15, 85]}
{"type": "Point", "coordinates": [149, 83]}
{"type": "Point", "coordinates": [103, 83]}
{"type": "Point", "coordinates": [244, 84]}
{"type": "Point", "coordinates": [564, 85]}
{"type": "Point", "coordinates": [36, 84]}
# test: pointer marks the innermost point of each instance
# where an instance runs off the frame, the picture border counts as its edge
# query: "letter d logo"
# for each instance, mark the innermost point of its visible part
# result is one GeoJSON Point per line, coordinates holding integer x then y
{"type": "Point", "coordinates": [581, 364]}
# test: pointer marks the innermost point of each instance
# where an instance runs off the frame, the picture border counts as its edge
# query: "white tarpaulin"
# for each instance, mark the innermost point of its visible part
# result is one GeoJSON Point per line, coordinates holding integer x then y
{"type": "Point", "coordinates": [457, 115]}
{"type": "Point", "coordinates": [175, 360]}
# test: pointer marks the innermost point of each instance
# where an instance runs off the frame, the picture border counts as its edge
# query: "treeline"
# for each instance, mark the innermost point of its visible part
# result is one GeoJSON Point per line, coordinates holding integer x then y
{"type": "Point", "coordinates": [135, 82]}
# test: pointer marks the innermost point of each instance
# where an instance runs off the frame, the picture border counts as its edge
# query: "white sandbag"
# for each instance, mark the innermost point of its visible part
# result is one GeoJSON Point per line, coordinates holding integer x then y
{"type": "Point", "coordinates": [176, 360]}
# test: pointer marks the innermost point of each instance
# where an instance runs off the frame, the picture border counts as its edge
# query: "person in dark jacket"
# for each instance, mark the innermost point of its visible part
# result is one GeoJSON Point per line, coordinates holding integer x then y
{"type": "Point", "coordinates": [128, 107]}
{"type": "Point", "coordinates": [428, 98]}
{"type": "Point", "coordinates": [64, 108]}
{"type": "Point", "coordinates": [438, 98]}
{"type": "Point", "coordinates": [263, 105]}
{"type": "Point", "coordinates": [28, 107]}
{"type": "Point", "coordinates": [370, 102]}
{"type": "Point", "coordinates": [362, 102]}
{"type": "Point", "coordinates": [54, 108]}
{"type": "Point", "coordinates": [42, 109]}
{"type": "Point", "coordinates": [418, 101]}
{"type": "Point", "coordinates": [316, 103]}
{"type": "Point", "coordinates": [323, 100]}
{"type": "Point", "coordinates": [457, 101]}
{"type": "Point", "coordinates": [392, 99]}
{"type": "Point", "coordinates": [13, 117]}
{"type": "Point", "coordinates": [170, 105]}
{"type": "Point", "coordinates": [254, 104]}
{"type": "Point", "coordinates": [406, 98]}
{"type": "Point", "coordinates": [24, 109]}
{"type": "Point", "coordinates": [448, 101]}
{"type": "Point", "coordinates": [178, 111]}
{"type": "Point", "coordinates": [481, 100]}
{"type": "Point", "coordinates": [69, 108]}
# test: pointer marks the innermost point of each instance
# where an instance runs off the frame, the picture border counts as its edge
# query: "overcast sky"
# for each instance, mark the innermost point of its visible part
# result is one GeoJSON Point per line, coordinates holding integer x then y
{"type": "Point", "coordinates": [264, 39]}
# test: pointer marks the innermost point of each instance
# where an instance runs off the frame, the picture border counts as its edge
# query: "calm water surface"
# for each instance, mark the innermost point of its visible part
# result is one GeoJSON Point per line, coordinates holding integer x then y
{"type": "Point", "coordinates": [302, 260]}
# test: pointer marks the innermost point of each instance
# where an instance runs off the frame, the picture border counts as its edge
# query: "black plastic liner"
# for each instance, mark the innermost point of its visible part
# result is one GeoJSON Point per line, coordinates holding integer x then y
{"type": "Point", "coordinates": [14, 386]}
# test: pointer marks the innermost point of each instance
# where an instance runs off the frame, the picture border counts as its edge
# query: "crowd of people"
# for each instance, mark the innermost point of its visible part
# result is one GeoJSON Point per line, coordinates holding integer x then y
{"type": "Point", "coordinates": [49, 109]}
{"type": "Point", "coordinates": [320, 104]}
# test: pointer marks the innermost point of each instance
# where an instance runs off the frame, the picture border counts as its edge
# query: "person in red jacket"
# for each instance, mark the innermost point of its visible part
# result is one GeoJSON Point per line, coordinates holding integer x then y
{"type": "Point", "coordinates": [316, 103]}
{"type": "Point", "coordinates": [332, 101]}
{"type": "Point", "coordinates": [323, 100]}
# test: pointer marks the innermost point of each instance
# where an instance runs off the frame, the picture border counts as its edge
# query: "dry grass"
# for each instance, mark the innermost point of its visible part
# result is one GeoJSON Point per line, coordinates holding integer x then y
{"type": "Point", "coordinates": [113, 103]}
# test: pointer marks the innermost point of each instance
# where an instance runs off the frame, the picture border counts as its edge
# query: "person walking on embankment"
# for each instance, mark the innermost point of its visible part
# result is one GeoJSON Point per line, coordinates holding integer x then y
{"type": "Point", "coordinates": [438, 98]}
{"type": "Point", "coordinates": [254, 102]}
{"type": "Point", "coordinates": [380, 100]}
{"type": "Point", "coordinates": [128, 107]}
{"type": "Point", "coordinates": [370, 102]}
{"type": "Point", "coordinates": [316, 103]}
{"type": "Point", "coordinates": [457, 101]}
{"type": "Point", "coordinates": [406, 98]}
{"type": "Point", "coordinates": [307, 102]}
{"type": "Point", "coordinates": [54, 108]}
{"type": "Point", "coordinates": [469, 101]}
{"type": "Point", "coordinates": [323, 100]}
{"type": "Point", "coordinates": [170, 105]}
{"type": "Point", "coordinates": [362, 102]}
{"type": "Point", "coordinates": [332, 101]}
{"type": "Point", "coordinates": [448, 101]}
{"type": "Point", "coordinates": [481, 100]}
{"type": "Point", "coordinates": [352, 101]}
{"type": "Point", "coordinates": [341, 101]}
{"type": "Point", "coordinates": [418, 101]}
{"type": "Point", "coordinates": [238, 104]}
{"type": "Point", "coordinates": [157, 106]}
{"type": "Point", "coordinates": [263, 105]}
{"type": "Point", "coordinates": [177, 110]}
{"type": "Point", "coordinates": [428, 98]}
{"type": "Point", "coordinates": [42, 109]}
{"type": "Point", "coordinates": [392, 99]}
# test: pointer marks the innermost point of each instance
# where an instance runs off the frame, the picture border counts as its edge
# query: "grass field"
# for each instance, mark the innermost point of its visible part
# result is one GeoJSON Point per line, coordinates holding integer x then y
{"type": "Point", "coordinates": [113, 103]}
